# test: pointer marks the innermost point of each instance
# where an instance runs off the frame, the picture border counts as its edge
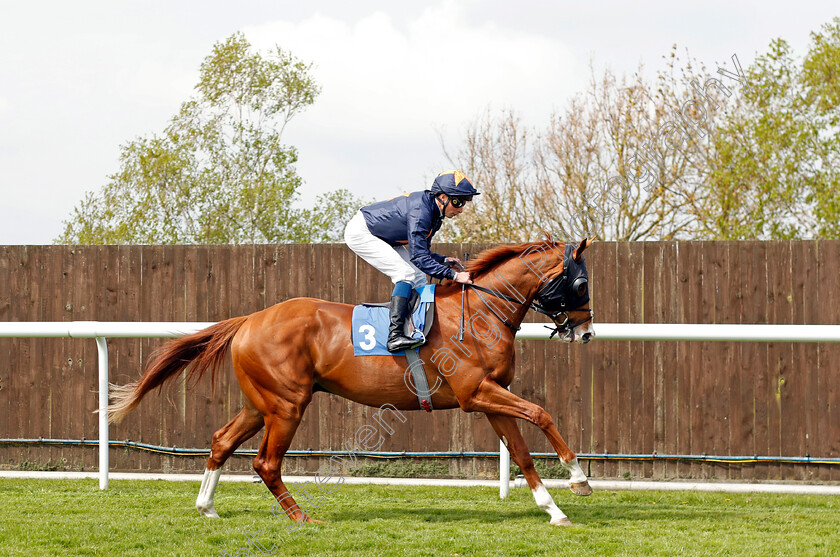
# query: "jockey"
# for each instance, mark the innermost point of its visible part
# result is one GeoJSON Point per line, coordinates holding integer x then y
{"type": "Point", "coordinates": [394, 236]}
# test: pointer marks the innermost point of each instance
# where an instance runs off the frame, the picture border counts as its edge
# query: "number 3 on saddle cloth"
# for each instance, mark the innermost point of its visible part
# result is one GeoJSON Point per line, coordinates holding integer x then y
{"type": "Point", "coordinates": [371, 322]}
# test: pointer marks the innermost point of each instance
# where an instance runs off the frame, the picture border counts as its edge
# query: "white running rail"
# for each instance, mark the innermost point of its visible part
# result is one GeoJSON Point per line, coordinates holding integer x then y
{"type": "Point", "coordinates": [99, 330]}
{"type": "Point", "coordinates": [102, 330]}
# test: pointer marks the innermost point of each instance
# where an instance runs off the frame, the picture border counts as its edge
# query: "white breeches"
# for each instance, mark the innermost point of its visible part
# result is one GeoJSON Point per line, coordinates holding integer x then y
{"type": "Point", "coordinates": [393, 261]}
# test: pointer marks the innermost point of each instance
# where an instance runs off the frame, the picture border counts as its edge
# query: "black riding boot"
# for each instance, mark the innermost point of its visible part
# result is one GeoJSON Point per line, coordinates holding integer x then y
{"type": "Point", "coordinates": [397, 340]}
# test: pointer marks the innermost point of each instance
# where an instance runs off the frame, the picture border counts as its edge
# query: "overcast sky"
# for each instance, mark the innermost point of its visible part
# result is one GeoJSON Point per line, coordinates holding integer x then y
{"type": "Point", "coordinates": [78, 79]}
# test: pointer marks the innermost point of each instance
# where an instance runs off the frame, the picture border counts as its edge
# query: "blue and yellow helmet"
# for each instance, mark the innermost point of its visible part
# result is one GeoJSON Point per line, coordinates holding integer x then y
{"type": "Point", "coordinates": [454, 183]}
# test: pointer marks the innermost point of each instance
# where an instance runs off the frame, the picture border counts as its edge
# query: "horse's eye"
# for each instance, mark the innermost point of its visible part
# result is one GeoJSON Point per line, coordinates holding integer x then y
{"type": "Point", "coordinates": [581, 290]}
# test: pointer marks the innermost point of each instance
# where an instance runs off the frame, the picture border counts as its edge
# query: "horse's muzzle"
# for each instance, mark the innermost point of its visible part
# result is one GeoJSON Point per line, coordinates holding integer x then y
{"type": "Point", "coordinates": [586, 337]}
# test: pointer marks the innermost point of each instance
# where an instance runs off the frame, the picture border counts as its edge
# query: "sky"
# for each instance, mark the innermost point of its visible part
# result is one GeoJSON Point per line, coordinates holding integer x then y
{"type": "Point", "coordinates": [399, 80]}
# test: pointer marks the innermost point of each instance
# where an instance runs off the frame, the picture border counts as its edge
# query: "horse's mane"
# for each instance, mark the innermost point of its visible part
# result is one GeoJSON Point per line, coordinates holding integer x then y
{"type": "Point", "coordinates": [490, 258]}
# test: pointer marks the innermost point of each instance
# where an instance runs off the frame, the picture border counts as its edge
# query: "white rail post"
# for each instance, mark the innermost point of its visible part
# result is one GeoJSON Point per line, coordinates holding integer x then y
{"type": "Point", "coordinates": [504, 468]}
{"type": "Point", "coordinates": [102, 349]}
{"type": "Point", "coordinates": [504, 471]}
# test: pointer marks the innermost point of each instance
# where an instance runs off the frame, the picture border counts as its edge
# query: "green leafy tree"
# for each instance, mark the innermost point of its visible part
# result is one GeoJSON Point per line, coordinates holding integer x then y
{"type": "Point", "coordinates": [219, 172]}
{"type": "Point", "coordinates": [777, 173]}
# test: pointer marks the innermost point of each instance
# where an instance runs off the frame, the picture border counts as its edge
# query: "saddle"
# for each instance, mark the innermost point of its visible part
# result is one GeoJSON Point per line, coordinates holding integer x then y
{"type": "Point", "coordinates": [371, 322]}
{"type": "Point", "coordinates": [370, 334]}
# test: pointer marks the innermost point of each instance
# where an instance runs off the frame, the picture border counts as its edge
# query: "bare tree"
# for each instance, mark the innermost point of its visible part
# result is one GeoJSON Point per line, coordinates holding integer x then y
{"type": "Point", "coordinates": [624, 160]}
{"type": "Point", "coordinates": [496, 154]}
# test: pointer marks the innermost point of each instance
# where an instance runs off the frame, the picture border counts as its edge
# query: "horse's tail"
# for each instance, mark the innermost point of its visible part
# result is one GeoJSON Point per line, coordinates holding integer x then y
{"type": "Point", "coordinates": [199, 352]}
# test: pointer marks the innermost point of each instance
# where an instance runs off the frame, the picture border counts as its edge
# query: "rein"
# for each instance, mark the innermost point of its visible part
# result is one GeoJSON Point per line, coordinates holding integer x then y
{"type": "Point", "coordinates": [565, 327]}
{"type": "Point", "coordinates": [480, 289]}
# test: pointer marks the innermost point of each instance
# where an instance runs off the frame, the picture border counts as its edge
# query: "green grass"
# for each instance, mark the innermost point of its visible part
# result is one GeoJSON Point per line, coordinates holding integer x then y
{"type": "Point", "coordinates": [52, 517]}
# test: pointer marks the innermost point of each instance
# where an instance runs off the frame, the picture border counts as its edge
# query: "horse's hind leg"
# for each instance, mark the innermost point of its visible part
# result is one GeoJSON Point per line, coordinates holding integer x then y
{"type": "Point", "coordinates": [241, 428]}
{"type": "Point", "coordinates": [508, 431]}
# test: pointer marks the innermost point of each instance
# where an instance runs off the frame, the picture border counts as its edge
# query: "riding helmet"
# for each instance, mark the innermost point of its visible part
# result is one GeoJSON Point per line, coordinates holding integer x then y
{"type": "Point", "coordinates": [454, 183]}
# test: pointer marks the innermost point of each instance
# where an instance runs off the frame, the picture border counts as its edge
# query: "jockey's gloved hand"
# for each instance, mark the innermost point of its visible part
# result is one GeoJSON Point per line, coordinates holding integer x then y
{"type": "Point", "coordinates": [454, 262]}
{"type": "Point", "coordinates": [463, 277]}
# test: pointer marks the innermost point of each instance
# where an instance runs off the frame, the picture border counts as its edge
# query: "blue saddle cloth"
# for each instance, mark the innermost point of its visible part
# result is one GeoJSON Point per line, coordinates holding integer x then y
{"type": "Point", "coordinates": [370, 325]}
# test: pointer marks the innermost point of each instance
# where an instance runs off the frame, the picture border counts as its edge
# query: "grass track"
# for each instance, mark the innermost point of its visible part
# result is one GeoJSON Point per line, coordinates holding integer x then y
{"type": "Point", "coordinates": [65, 517]}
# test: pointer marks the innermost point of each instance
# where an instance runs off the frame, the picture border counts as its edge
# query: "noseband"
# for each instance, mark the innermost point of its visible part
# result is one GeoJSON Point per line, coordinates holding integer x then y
{"type": "Point", "coordinates": [565, 328]}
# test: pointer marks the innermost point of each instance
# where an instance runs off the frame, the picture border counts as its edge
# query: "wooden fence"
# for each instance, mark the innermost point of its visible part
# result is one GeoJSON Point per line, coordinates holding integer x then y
{"type": "Point", "coordinates": [774, 399]}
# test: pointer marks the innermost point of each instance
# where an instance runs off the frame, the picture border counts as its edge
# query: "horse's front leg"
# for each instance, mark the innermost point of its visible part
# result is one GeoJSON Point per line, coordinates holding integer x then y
{"type": "Point", "coordinates": [508, 431]}
{"type": "Point", "coordinates": [492, 398]}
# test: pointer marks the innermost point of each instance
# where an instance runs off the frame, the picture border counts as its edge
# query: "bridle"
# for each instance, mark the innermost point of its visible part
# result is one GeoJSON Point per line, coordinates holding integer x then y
{"type": "Point", "coordinates": [566, 329]}
{"type": "Point", "coordinates": [548, 294]}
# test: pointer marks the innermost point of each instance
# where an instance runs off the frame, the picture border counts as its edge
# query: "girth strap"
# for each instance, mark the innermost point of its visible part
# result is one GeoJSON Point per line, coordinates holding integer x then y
{"type": "Point", "coordinates": [418, 377]}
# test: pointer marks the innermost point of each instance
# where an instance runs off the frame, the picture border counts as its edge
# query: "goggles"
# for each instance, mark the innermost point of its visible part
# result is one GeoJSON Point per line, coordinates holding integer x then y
{"type": "Point", "coordinates": [458, 202]}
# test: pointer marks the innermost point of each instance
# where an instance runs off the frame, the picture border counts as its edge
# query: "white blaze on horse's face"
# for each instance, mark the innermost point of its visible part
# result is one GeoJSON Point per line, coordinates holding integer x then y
{"type": "Point", "coordinates": [584, 333]}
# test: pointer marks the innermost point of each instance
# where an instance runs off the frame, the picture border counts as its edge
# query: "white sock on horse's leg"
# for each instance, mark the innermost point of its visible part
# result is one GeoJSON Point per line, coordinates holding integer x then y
{"type": "Point", "coordinates": [204, 501]}
{"type": "Point", "coordinates": [576, 472]}
{"type": "Point", "coordinates": [578, 482]}
{"type": "Point", "coordinates": [545, 502]}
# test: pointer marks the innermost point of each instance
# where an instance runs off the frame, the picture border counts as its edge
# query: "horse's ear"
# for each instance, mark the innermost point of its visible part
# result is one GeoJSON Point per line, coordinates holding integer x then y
{"type": "Point", "coordinates": [578, 253]}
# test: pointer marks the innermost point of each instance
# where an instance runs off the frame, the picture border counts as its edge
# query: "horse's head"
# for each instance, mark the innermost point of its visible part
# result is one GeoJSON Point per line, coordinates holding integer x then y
{"type": "Point", "coordinates": [556, 280]}
{"type": "Point", "coordinates": [567, 295]}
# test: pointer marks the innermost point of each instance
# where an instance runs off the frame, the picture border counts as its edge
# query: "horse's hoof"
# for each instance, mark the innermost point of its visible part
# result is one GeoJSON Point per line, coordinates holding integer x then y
{"type": "Point", "coordinates": [313, 521]}
{"type": "Point", "coordinates": [209, 513]}
{"type": "Point", "coordinates": [561, 522]}
{"type": "Point", "coordinates": [582, 488]}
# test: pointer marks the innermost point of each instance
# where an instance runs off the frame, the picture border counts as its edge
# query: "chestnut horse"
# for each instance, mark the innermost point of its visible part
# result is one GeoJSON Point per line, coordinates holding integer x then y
{"type": "Point", "coordinates": [284, 354]}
